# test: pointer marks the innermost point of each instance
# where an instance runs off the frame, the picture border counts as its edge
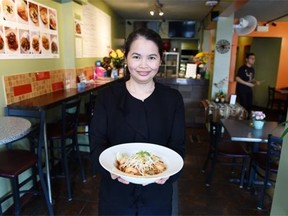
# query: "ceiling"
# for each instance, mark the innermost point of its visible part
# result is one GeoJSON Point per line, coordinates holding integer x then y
{"type": "Point", "coordinates": [263, 10]}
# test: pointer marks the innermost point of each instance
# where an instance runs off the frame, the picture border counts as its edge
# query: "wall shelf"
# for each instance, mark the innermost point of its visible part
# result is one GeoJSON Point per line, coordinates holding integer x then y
{"type": "Point", "coordinates": [170, 65]}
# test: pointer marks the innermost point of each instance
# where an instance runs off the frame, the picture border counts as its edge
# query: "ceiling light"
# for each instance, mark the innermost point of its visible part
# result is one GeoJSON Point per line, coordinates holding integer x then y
{"type": "Point", "coordinates": [157, 8]}
{"type": "Point", "coordinates": [211, 3]}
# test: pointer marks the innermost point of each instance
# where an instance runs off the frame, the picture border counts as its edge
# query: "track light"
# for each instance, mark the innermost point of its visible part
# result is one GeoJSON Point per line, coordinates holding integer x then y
{"type": "Point", "coordinates": [157, 8]}
{"type": "Point", "coordinates": [211, 3]}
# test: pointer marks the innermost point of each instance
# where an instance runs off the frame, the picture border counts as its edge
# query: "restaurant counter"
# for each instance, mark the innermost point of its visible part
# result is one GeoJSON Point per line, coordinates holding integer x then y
{"type": "Point", "coordinates": [192, 91]}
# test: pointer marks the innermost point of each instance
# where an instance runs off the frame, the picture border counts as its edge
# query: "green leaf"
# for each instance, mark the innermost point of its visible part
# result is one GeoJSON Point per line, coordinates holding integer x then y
{"type": "Point", "coordinates": [285, 131]}
{"type": "Point", "coordinates": [143, 153]}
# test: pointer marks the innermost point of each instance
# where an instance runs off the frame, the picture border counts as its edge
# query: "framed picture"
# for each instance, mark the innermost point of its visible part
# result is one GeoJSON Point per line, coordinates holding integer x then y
{"type": "Point", "coordinates": [78, 27]}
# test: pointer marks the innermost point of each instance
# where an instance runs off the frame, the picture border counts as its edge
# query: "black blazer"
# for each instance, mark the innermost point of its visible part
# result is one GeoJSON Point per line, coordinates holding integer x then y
{"type": "Point", "coordinates": [120, 118]}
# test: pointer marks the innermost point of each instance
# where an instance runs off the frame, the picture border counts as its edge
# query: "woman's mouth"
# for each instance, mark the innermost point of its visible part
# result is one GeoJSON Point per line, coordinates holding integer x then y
{"type": "Point", "coordinates": [143, 73]}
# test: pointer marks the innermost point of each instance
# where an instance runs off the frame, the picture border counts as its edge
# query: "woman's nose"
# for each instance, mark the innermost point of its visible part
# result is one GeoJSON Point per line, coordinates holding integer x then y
{"type": "Point", "coordinates": [143, 63]}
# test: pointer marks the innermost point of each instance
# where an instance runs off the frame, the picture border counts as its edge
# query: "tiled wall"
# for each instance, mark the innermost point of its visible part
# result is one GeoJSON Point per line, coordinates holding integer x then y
{"type": "Point", "coordinates": [28, 85]}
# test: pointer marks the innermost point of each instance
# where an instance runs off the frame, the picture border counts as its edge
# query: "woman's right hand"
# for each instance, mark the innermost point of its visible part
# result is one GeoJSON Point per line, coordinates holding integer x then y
{"type": "Point", "coordinates": [113, 176]}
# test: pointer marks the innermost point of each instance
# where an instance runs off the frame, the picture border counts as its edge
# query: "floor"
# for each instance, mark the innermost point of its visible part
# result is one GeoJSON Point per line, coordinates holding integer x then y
{"type": "Point", "coordinates": [194, 198]}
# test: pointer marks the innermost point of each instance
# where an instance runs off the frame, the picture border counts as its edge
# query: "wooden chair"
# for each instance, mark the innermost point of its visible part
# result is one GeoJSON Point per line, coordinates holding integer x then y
{"type": "Point", "coordinates": [84, 125]}
{"type": "Point", "coordinates": [14, 162]}
{"type": "Point", "coordinates": [265, 165]}
{"type": "Point", "coordinates": [221, 149]}
{"type": "Point", "coordinates": [65, 131]}
{"type": "Point", "coordinates": [274, 102]}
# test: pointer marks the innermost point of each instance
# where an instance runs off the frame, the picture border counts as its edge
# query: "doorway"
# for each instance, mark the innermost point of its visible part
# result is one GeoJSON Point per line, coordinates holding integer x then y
{"type": "Point", "coordinates": [267, 51]}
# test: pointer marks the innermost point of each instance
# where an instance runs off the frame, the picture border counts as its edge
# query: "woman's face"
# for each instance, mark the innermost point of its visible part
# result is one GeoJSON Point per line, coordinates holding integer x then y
{"type": "Point", "coordinates": [143, 60]}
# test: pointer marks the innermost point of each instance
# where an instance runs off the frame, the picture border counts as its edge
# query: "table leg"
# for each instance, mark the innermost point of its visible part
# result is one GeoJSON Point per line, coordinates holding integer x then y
{"type": "Point", "coordinates": [46, 158]}
{"type": "Point", "coordinates": [47, 166]}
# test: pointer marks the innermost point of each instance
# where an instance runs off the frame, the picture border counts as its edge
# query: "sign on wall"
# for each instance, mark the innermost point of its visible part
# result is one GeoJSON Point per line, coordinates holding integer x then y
{"type": "Point", "coordinates": [28, 30]}
{"type": "Point", "coordinates": [96, 32]}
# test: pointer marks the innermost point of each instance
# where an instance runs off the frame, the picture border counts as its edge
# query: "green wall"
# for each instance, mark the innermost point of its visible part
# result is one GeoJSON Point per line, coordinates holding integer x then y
{"type": "Point", "coordinates": [266, 66]}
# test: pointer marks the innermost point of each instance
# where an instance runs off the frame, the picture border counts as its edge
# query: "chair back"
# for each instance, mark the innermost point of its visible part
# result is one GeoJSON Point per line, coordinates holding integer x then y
{"type": "Point", "coordinates": [215, 133]}
{"type": "Point", "coordinates": [70, 115]}
{"type": "Point", "coordinates": [271, 92]}
{"type": "Point", "coordinates": [271, 97]}
{"type": "Point", "coordinates": [91, 105]}
{"type": "Point", "coordinates": [273, 152]}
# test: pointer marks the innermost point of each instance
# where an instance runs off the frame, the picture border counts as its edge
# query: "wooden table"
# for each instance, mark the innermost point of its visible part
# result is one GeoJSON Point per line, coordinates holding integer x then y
{"type": "Point", "coordinates": [242, 130]}
{"type": "Point", "coordinates": [282, 91]}
{"type": "Point", "coordinates": [47, 101]}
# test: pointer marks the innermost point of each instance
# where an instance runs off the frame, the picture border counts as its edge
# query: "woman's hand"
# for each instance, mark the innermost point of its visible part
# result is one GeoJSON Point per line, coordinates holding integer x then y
{"type": "Point", "coordinates": [113, 176]}
{"type": "Point", "coordinates": [158, 181]}
{"type": "Point", "coordinates": [161, 181]}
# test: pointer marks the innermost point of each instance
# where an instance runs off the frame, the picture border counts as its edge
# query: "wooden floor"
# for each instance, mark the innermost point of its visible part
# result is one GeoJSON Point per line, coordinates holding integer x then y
{"type": "Point", "coordinates": [194, 198]}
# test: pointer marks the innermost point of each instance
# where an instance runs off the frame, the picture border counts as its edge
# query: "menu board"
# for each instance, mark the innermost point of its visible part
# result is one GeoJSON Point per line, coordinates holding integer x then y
{"type": "Point", "coordinates": [28, 30]}
{"type": "Point", "coordinates": [96, 32]}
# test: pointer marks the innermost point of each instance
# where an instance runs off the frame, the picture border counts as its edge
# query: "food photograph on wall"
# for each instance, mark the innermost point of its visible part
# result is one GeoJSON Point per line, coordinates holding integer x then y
{"type": "Point", "coordinates": [28, 30]}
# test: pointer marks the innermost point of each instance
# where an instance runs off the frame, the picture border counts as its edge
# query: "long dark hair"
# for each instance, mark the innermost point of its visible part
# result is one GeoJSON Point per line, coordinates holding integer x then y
{"type": "Point", "coordinates": [149, 35]}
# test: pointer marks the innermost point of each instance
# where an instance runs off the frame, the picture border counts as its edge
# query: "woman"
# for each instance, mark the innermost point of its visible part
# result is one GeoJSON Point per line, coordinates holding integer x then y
{"type": "Point", "coordinates": [138, 110]}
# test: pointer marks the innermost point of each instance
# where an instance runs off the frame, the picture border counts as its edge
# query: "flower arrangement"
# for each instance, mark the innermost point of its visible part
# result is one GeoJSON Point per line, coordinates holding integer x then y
{"type": "Point", "coordinates": [117, 58]}
{"type": "Point", "coordinates": [220, 96]}
{"type": "Point", "coordinates": [202, 57]}
{"type": "Point", "coordinates": [258, 115]}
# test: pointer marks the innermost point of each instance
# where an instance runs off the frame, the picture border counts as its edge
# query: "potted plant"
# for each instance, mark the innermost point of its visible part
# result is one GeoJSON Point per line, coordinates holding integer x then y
{"type": "Point", "coordinates": [258, 119]}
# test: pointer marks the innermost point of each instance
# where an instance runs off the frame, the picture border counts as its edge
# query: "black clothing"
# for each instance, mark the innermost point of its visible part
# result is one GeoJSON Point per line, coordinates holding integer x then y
{"type": "Point", "coordinates": [121, 118]}
{"type": "Point", "coordinates": [244, 92]}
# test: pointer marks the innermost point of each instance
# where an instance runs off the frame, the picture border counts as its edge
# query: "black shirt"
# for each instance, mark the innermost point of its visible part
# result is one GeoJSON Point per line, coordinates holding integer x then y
{"type": "Point", "coordinates": [247, 74]}
{"type": "Point", "coordinates": [121, 118]}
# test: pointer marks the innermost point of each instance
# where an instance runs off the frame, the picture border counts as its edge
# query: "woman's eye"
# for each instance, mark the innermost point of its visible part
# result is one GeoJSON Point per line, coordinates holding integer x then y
{"type": "Point", "coordinates": [136, 57]}
{"type": "Point", "coordinates": [152, 58]}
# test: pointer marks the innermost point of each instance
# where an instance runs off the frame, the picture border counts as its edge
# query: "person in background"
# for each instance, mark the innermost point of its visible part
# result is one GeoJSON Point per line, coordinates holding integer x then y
{"type": "Point", "coordinates": [245, 79]}
{"type": "Point", "coordinates": [138, 109]}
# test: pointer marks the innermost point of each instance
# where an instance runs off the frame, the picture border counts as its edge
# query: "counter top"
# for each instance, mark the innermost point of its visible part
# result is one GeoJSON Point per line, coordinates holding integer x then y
{"type": "Point", "coordinates": [51, 99]}
{"type": "Point", "coordinates": [182, 81]}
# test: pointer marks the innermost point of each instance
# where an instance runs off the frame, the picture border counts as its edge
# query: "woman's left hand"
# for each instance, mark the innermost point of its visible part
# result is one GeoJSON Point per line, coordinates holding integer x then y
{"type": "Point", "coordinates": [113, 176]}
{"type": "Point", "coordinates": [161, 181]}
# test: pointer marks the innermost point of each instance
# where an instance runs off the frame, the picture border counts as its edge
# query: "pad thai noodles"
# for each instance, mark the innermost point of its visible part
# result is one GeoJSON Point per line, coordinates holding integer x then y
{"type": "Point", "coordinates": [142, 163]}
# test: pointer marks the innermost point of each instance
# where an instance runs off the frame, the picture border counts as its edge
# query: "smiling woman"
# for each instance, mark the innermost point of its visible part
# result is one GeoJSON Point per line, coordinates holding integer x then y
{"type": "Point", "coordinates": [138, 109]}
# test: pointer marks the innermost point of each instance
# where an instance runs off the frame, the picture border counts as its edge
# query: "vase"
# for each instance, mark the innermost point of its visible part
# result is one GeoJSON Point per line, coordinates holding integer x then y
{"type": "Point", "coordinates": [258, 124]}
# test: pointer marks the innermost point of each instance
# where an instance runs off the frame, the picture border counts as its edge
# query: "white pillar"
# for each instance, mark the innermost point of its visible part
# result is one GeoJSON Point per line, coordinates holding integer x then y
{"type": "Point", "coordinates": [222, 60]}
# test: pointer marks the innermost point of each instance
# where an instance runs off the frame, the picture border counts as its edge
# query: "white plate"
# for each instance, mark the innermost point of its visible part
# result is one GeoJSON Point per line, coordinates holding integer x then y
{"type": "Point", "coordinates": [35, 38]}
{"type": "Point", "coordinates": [24, 35]}
{"type": "Point", "coordinates": [172, 159]}
{"type": "Point", "coordinates": [8, 8]}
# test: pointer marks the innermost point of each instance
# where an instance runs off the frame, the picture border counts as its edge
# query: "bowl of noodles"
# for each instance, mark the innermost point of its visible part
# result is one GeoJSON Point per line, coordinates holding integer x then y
{"type": "Point", "coordinates": [141, 163]}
